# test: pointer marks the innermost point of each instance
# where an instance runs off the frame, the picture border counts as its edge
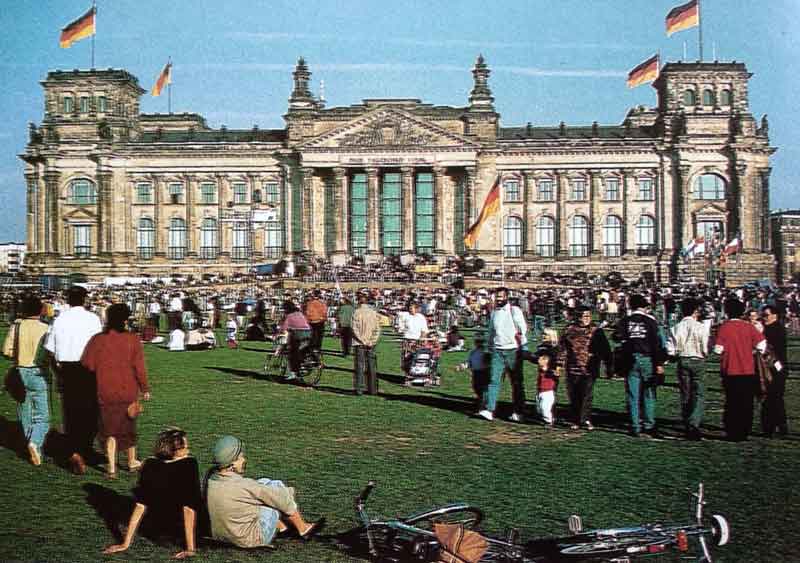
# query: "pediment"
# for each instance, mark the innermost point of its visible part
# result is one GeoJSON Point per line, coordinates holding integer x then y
{"type": "Point", "coordinates": [388, 128]}
{"type": "Point", "coordinates": [80, 214]}
{"type": "Point", "coordinates": [710, 209]}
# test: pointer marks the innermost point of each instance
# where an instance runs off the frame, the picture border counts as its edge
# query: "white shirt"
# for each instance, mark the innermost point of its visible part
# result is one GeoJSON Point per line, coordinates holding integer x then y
{"type": "Point", "coordinates": [177, 339]}
{"type": "Point", "coordinates": [414, 326]}
{"type": "Point", "coordinates": [176, 304]}
{"type": "Point", "coordinates": [70, 333]}
{"type": "Point", "coordinates": [154, 308]}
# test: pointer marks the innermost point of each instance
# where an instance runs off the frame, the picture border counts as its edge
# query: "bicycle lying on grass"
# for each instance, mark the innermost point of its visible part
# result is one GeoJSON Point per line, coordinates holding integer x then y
{"type": "Point", "coordinates": [412, 538]}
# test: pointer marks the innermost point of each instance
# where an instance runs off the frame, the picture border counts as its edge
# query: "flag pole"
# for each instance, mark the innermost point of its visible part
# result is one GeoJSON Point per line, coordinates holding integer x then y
{"type": "Point", "coordinates": [700, 30]}
{"type": "Point", "coordinates": [94, 8]}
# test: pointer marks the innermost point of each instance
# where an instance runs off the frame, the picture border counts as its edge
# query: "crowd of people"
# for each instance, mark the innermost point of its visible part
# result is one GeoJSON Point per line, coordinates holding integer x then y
{"type": "Point", "coordinates": [94, 344]}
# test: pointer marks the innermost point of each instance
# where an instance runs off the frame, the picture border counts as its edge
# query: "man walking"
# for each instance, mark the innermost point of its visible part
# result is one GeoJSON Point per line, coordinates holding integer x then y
{"type": "Point", "coordinates": [344, 318]}
{"type": "Point", "coordinates": [691, 346]}
{"type": "Point", "coordinates": [366, 333]}
{"type": "Point", "coordinates": [316, 313]}
{"type": "Point", "coordinates": [773, 409]}
{"type": "Point", "coordinates": [68, 337]}
{"type": "Point", "coordinates": [507, 336]}
{"type": "Point", "coordinates": [642, 343]}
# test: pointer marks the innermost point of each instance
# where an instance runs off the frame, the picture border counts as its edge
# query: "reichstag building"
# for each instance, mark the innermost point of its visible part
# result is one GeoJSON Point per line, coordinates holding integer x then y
{"type": "Point", "coordinates": [112, 191]}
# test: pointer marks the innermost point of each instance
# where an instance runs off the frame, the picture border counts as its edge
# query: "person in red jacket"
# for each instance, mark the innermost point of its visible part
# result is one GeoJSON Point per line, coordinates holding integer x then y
{"type": "Point", "coordinates": [117, 359]}
{"type": "Point", "coordinates": [737, 340]}
{"type": "Point", "coordinates": [317, 313]}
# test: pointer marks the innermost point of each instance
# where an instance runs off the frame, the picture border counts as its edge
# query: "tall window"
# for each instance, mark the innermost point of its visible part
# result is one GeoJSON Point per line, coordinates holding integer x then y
{"type": "Point", "coordinates": [512, 191]}
{"type": "Point", "coordinates": [82, 192]}
{"type": "Point", "coordinates": [177, 239]}
{"type": "Point", "coordinates": [512, 237]}
{"type": "Point", "coordinates": [424, 216]}
{"type": "Point", "coordinates": [646, 234]}
{"type": "Point", "coordinates": [358, 214]}
{"type": "Point", "coordinates": [612, 236]}
{"type": "Point", "coordinates": [239, 192]}
{"type": "Point", "coordinates": [709, 186]}
{"type": "Point", "coordinates": [646, 191]}
{"type": "Point", "coordinates": [689, 98]}
{"type": "Point", "coordinates": [69, 104]}
{"type": "Point", "coordinates": [391, 220]}
{"type": "Point", "coordinates": [579, 236]}
{"type": "Point", "coordinates": [209, 239]}
{"type": "Point", "coordinates": [546, 236]}
{"type": "Point", "coordinates": [725, 98]}
{"type": "Point", "coordinates": [272, 192]}
{"type": "Point", "coordinates": [175, 192]}
{"type": "Point", "coordinates": [102, 104]}
{"type": "Point", "coordinates": [612, 191]}
{"type": "Point", "coordinates": [81, 240]}
{"type": "Point", "coordinates": [578, 190]}
{"type": "Point", "coordinates": [144, 192]}
{"type": "Point", "coordinates": [545, 190]}
{"type": "Point", "coordinates": [241, 241]}
{"type": "Point", "coordinates": [208, 192]}
{"type": "Point", "coordinates": [84, 104]}
{"type": "Point", "coordinates": [273, 243]}
{"type": "Point", "coordinates": [708, 98]}
{"type": "Point", "coordinates": [145, 238]}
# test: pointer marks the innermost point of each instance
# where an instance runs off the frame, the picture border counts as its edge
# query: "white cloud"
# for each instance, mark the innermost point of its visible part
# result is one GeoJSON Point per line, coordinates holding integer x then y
{"type": "Point", "coordinates": [567, 73]}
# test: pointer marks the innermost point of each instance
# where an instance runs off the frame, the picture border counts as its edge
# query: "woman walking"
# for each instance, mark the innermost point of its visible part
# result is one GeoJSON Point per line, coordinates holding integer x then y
{"type": "Point", "coordinates": [117, 358]}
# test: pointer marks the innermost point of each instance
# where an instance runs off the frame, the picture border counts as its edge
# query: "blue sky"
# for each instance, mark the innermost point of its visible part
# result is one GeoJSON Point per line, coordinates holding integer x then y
{"type": "Point", "coordinates": [551, 60]}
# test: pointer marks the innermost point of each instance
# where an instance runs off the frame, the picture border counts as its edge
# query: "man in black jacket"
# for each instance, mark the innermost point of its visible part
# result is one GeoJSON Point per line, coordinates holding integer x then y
{"type": "Point", "coordinates": [773, 409]}
{"type": "Point", "coordinates": [643, 344]}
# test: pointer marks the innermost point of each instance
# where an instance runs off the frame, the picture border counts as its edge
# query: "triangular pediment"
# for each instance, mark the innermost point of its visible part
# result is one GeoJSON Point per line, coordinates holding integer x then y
{"type": "Point", "coordinates": [80, 214]}
{"type": "Point", "coordinates": [388, 128]}
{"type": "Point", "coordinates": [710, 209]}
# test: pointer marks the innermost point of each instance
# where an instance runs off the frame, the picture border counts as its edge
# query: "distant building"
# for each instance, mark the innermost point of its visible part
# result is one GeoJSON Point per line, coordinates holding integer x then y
{"type": "Point", "coordinates": [112, 191]}
{"type": "Point", "coordinates": [786, 242]}
{"type": "Point", "coordinates": [12, 257]}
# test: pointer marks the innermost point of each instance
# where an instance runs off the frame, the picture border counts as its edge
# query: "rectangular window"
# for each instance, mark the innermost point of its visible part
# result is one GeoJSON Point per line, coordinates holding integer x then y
{"type": "Point", "coordinates": [84, 104]}
{"type": "Point", "coordinates": [546, 190]}
{"type": "Point", "coordinates": [208, 193]}
{"type": "Point", "coordinates": [578, 190]}
{"type": "Point", "coordinates": [512, 191]}
{"type": "Point", "coordinates": [82, 244]}
{"type": "Point", "coordinates": [272, 193]}
{"type": "Point", "coordinates": [646, 191]}
{"type": "Point", "coordinates": [358, 214]}
{"type": "Point", "coordinates": [391, 218]}
{"type": "Point", "coordinates": [144, 193]}
{"type": "Point", "coordinates": [68, 104]}
{"type": "Point", "coordinates": [612, 191]}
{"type": "Point", "coordinates": [102, 104]}
{"type": "Point", "coordinates": [424, 214]}
{"type": "Point", "coordinates": [273, 243]}
{"type": "Point", "coordinates": [175, 192]}
{"type": "Point", "coordinates": [241, 241]}
{"type": "Point", "coordinates": [239, 192]}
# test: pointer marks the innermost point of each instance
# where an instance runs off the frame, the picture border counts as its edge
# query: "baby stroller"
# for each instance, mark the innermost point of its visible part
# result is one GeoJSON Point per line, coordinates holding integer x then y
{"type": "Point", "coordinates": [423, 368]}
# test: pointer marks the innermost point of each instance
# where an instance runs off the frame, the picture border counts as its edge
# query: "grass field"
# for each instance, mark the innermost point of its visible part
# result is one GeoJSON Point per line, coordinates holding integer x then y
{"type": "Point", "coordinates": [422, 448]}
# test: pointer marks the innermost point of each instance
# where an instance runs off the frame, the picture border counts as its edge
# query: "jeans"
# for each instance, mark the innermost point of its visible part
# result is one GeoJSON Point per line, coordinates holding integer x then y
{"type": "Point", "coordinates": [33, 413]}
{"type": "Point", "coordinates": [642, 385]}
{"type": "Point", "coordinates": [502, 361]}
{"type": "Point", "coordinates": [366, 371]}
{"type": "Point", "coordinates": [691, 380]}
{"type": "Point", "coordinates": [268, 517]}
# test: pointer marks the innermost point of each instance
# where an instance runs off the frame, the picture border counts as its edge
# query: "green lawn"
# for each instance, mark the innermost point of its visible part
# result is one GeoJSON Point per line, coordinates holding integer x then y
{"type": "Point", "coordinates": [422, 448]}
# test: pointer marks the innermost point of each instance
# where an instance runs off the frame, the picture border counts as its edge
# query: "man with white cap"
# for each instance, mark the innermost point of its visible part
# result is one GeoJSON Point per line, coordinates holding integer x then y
{"type": "Point", "coordinates": [248, 512]}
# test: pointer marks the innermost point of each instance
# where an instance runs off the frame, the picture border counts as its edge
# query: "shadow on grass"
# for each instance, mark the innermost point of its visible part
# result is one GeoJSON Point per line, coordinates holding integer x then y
{"type": "Point", "coordinates": [255, 374]}
{"type": "Point", "coordinates": [11, 437]}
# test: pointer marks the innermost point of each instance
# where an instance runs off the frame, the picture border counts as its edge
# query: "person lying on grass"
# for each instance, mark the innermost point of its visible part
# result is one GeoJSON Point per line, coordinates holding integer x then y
{"type": "Point", "coordinates": [169, 489]}
{"type": "Point", "coordinates": [247, 512]}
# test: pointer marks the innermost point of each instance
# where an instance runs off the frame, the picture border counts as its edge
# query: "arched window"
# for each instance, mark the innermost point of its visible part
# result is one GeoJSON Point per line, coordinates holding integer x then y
{"type": "Point", "coordinates": [145, 238]}
{"type": "Point", "coordinates": [241, 241]}
{"type": "Point", "coordinates": [209, 239]}
{"type": "Point", "coordinates": [512, 237]}
{"type": "Point", "coordinates": [689, 98]}
{"type": "Point", "coordinates": [177, 239]}
{"type": "Point", "coordinates": [709, 186]}
{"type": "Point", "coordinates": [546, 236]}
{"type": "Point", "coordinates": [612, 236]}
{"type": "Point", "coordinates": [579, 236]}
{"type": "Point", "coordinates": [82, 192]}
{"type": "Point", "coordinates": [725, 98]}
{"type": "Point", "coordinates": [273, 243]}
{"type": "Point", "coordinates": [708, 97]}
{"type": "Point", "coordinates": [646, 235]}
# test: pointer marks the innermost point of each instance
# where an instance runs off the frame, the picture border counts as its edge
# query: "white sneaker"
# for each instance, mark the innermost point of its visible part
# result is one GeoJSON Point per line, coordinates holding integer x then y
{"type": "Point", "coordinates": [290, 377]}
{"type": "Point", "coordinates": [36, 458]}
{"type": "Point", "coordinates": [486, 414]}
{"type": "Point", "coordinates": [516, 418]}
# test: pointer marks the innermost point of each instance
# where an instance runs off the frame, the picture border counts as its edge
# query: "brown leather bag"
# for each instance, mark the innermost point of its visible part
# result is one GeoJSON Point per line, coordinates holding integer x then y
{"type": "Point", "coordinates": [459, 545]}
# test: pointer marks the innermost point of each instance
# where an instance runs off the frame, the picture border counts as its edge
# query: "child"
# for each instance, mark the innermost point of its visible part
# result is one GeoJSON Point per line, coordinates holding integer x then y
{"type": "Point", "coordinates": [231, 328]}
{"type": "Point", "coordinates": [547, 380]}
{"type": "Point", "coordinates": [478, 364]}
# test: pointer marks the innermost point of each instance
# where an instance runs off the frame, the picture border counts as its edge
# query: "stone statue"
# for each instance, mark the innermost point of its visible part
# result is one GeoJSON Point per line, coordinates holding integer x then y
{"type": "Point", "coordinates": [764, 126]}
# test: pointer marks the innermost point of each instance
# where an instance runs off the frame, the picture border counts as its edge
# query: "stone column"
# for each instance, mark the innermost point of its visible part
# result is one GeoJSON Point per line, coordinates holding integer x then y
{"type": "Point", "coordinates": [440, 204]}
{"type": "Point", "coordinates": [595, 195]}
{"type": "Point", "coordinates": [470, 210]}
{"type": "Point", "coordinates": [255, 237]}
{"type": "Point", "coordinates": [660, 241]}
{"type": "Point", "coordinates": [31, 203]}
{"type": "Point", "coordinates": [224, 227]}
{"type": "Point", "coordinates": [669, 205]}
{"type": "Point", "coordinates": [105, 212]}
{"type": "Point", "coordinates": [685, 211]}
{"type": "Point", "coordinates": [765, 227]}
{"type": "Point", "coordinates": [192, 244]}
{"type": "Point", "coordinates": [159, 223]}
{"type": "Point", "coordinates": [562, 241]}
{"type": "Point", "coordinates": [41, 214]}
{"type": "Point", "coordinates": [530, 212]}
{"type": "Point", "coordinates": [628, 241]}
{"type": "Point", "coordinates": [308, 206]}
{"type": "Point", "coordinates": [286, 209]}
{"type": "Point", "coordinates": [408, 209]}
{"type": "Point", "coordinates": [341, 207]}
{"type": "Point", "coordinates": [373, 215]}
{"type": "Point", "coordinates": [52, 179]}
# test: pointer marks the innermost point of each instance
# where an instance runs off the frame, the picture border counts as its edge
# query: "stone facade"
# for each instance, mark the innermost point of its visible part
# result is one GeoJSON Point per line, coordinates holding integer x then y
{"type": "Point", "coordinates": [113, 191]}
{"type": "Point", "coordinates": [785, 227]}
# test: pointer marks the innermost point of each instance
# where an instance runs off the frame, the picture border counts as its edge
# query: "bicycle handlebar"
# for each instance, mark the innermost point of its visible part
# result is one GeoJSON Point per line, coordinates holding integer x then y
{"type": "Point", "coordinates": [363, 495]}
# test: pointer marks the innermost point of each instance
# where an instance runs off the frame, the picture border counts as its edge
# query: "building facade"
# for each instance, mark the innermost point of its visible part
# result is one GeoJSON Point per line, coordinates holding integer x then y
{"type": "Point", "coordinates": [112, 191]}
{"type": "Point", "coordinates": [786, 243]}
{"type": "Point", "coordinates": [12, 257]}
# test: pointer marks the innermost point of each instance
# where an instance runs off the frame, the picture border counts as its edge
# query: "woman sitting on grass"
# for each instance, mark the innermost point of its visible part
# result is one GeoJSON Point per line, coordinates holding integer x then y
{"type": "Point", "coordinates": [169, 488]}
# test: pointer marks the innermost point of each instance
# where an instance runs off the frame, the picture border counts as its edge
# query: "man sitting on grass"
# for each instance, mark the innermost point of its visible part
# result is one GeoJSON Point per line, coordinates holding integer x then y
{"type": "Point", "coordinates": [248, 512]}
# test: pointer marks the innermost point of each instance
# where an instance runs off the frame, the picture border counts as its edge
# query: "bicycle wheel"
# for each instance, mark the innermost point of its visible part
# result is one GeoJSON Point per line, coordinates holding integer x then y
{"type": "Point", "coordinates": [275, 366]}
{"type": "Point", "coordinates": [612, 547]}
{"type": "Point", "coordinates": [463, 514]}
{"type": "Point", "coordinates": [311, 369]}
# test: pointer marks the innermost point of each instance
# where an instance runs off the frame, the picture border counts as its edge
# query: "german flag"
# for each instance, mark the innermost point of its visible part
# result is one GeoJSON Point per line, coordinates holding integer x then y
{"type": "Point", "coordinates": [490, 206]}
{"type": "Point", "coordinates": [163, 79]}
{"type": "Point", "coordinates": [683, 17]}
{"type": "Point", "coordinates": [81, 28]}
{"type": "Point", "coordinates": [645, 72]}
